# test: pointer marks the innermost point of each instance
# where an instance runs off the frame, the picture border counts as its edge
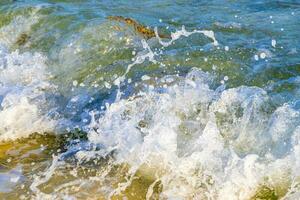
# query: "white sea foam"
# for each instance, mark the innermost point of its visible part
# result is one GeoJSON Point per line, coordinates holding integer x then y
{"type": "Point", "coordinates": [200, 142]}
{"type": "Point", "coordinates": [23, 82]}
{"type": "Point", "coordinates": [219, 144]}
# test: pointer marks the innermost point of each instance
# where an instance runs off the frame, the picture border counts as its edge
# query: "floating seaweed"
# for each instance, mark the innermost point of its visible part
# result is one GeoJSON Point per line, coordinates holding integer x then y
{"type": "Point", "coordinates": [22, 39]}
{"type": "Point", "coordinates": [145, 31]}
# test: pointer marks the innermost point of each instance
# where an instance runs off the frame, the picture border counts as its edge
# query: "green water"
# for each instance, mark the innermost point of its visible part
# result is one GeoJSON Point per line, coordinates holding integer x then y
{"type": "Point", "coordinates": [75, 84]}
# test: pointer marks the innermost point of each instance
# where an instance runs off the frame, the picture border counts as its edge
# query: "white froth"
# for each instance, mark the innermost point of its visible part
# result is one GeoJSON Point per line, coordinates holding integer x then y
{"type": "Point", "coordinates": [219, 144]}
{"type": "Point", "coordinates": [23, 82]}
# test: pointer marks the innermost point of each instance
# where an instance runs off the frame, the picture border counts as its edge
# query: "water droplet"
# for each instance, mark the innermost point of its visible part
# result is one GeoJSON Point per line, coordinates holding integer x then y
{"type": "Point", "coordinates": [263, 55]}
{"type": "Point", "coordinates": [273, 43]}
{"type": "Point", "coordinates": [75, 83]}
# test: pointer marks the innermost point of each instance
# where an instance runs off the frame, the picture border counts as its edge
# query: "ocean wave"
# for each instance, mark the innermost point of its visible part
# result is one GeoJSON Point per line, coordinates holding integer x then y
{"type": "Point", "coordinates": [196, 140]}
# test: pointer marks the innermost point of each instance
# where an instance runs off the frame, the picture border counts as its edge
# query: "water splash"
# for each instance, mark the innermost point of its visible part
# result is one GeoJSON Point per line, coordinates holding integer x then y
{"type": "Point", "coordinates": [197, 140]}
{"type": "Point", "coordinates": [23, 82]}
{"type": "Point", "coordinates": [151, 55]}
{"type": "Point", "coordinates": [183, 32]}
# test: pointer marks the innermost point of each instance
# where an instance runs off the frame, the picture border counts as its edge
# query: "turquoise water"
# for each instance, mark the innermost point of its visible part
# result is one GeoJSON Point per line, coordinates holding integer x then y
{"type": "Point", "coordinates": [90, 108]}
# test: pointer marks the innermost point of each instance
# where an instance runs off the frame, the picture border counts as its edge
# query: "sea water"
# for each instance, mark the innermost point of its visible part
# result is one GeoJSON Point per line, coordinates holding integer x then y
{"type": "Point", "coordinates": [90, 109]}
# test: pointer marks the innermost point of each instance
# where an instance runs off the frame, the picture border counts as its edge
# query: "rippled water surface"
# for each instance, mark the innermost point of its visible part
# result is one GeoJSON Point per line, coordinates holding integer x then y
{"type": "Point", "coordinates": [206, 107]}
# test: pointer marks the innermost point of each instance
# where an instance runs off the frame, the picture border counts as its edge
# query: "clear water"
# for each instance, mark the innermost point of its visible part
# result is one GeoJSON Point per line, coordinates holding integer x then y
{"type": "Point", "coordinates": [89, 109]}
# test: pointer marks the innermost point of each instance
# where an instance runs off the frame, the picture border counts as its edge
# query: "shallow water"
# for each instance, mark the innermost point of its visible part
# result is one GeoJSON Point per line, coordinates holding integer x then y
{"type": "Point", "coordinates": [90, 109]}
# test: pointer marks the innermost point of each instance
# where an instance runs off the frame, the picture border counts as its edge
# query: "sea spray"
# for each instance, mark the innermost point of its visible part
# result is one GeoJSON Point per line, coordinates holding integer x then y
{"type": "Point", "coordinates": [23, 82]}
{"type": "Point", "coordinates": [199, 140]}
